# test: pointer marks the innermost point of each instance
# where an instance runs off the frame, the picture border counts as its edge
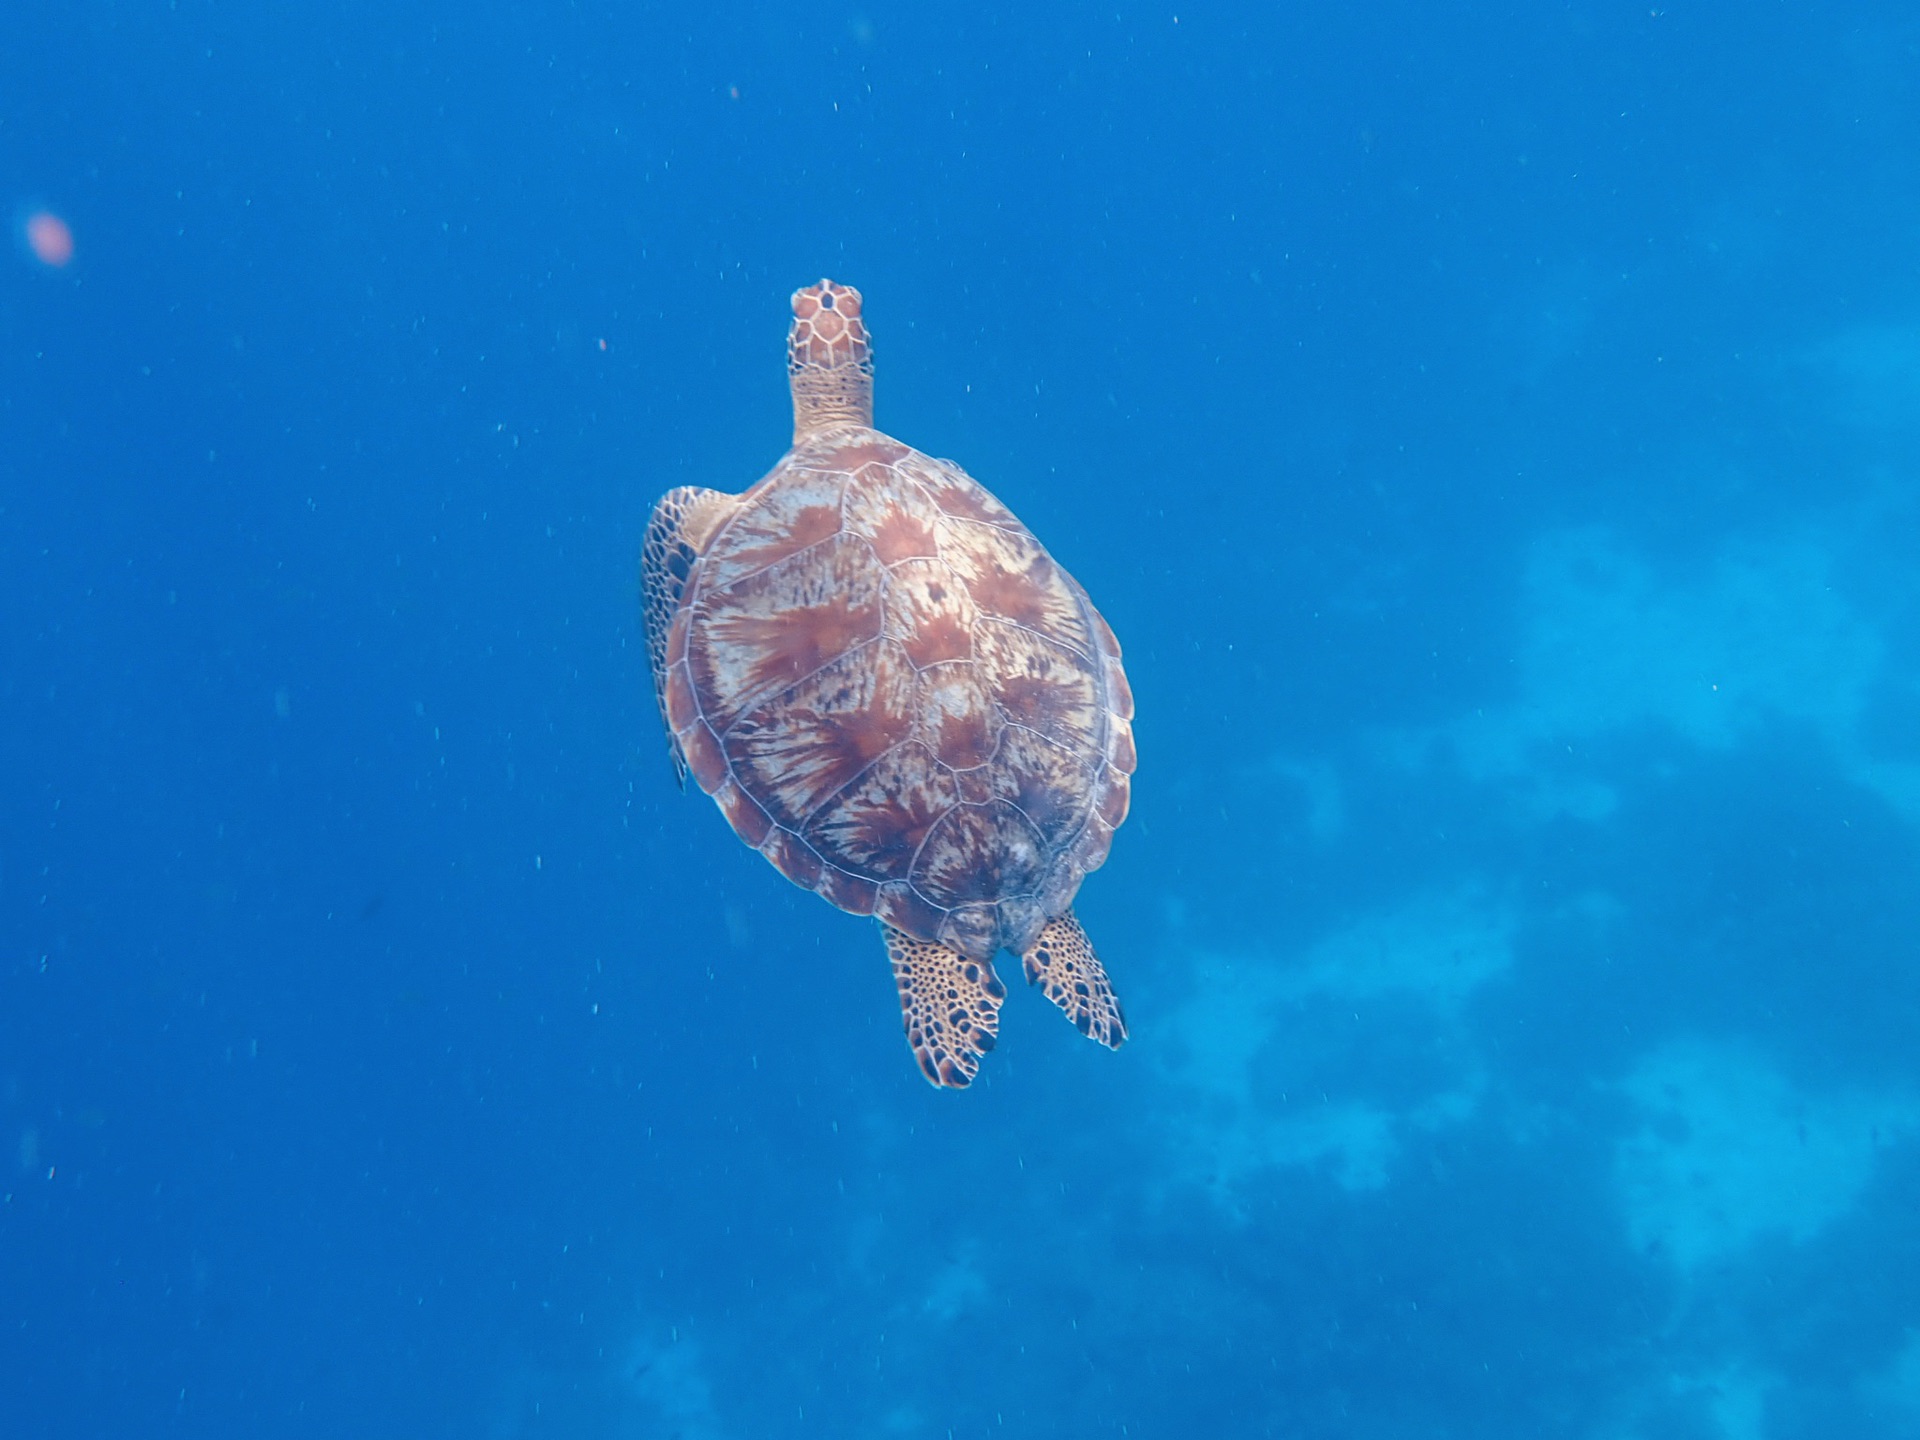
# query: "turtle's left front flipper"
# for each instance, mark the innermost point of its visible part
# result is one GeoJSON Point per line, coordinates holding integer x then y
{"type": "Point", "coordinates": [950, 1004]}
{"type": "Point", "coordinates": [1062, 963]}
{"type": "Point", "coordinates": [682, 522]}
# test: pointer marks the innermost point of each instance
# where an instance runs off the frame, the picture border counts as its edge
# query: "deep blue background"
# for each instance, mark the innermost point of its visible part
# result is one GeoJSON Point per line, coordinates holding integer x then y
{"type": "Point", "coordinates": [1494, 433]}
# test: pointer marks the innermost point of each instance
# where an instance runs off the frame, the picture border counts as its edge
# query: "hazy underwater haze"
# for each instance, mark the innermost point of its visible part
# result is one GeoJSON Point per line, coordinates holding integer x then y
{"type": "Point", "coordinates": [1493, 432]}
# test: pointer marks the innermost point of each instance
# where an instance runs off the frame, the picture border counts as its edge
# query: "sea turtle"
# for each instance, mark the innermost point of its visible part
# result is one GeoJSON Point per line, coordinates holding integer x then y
{"type": "Point", "coordinates": [898, 698]}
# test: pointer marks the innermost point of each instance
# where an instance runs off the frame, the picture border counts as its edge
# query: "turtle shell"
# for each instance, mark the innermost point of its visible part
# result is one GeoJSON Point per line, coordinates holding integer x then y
{"type": "Point", "coordinates": [898, 697]}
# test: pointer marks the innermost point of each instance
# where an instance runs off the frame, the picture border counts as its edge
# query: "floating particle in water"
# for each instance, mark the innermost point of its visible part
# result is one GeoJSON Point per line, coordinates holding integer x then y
{"type": "Point", "coordinates": [48, 237]}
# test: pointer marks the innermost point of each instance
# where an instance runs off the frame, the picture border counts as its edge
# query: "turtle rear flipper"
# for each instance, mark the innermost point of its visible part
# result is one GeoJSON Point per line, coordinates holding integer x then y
{"type": "Point", "coordinates": [950, 1004]}
{"type": "Point", "coordinates": [682, 522]}
{"type": "Point", "coordinates": [1062, 963]}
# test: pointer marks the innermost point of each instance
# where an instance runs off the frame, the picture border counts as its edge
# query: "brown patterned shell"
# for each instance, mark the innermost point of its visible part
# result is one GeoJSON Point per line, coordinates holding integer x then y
{"type": "Point", "coordinates": [898, 697]}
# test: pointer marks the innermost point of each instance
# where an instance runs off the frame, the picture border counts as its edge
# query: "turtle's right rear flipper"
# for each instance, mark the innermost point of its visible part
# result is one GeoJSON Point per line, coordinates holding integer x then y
{"type": "Point", "coordinates": [1062, 963]}
{"type": "Point", "coordinates": [682, 523]}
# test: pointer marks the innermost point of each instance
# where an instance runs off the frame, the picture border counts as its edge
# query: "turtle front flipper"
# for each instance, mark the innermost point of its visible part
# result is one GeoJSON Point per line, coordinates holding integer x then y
{"type": "Point", "coordinates": [1063, 964]}
{"type": "Point", "coordinates": [951, 1006]}
{"type": "Point", "coordinates": [683, 520]}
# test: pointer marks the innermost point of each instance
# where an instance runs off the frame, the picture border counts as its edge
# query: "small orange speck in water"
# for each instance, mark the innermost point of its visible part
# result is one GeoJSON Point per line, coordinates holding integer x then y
{"type": "Point", "coordinates": [49, 238]}
{"type": "Point", "coordinates": [733, 92]}
{"type": "Point", "coordinates": [603, 344]}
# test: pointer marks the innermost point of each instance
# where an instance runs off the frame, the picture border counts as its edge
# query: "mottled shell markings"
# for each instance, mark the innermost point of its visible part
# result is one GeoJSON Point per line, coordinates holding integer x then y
{"type": "Point", "coordinates": [897, 696]}
{"type": "Point", "coordinates": [907, 686]}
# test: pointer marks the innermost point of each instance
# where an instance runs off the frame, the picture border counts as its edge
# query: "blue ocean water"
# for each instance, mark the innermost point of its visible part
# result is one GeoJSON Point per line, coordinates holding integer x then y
{"type": "Point", "coordinates": [1494, 434]}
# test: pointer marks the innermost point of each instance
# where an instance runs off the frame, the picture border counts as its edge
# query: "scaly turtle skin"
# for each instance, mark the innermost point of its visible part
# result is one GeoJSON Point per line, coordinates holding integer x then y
{"type": "Point", "coordinates": [898, 698]}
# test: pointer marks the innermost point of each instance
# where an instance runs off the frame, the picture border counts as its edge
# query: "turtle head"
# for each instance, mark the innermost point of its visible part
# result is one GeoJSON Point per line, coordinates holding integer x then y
{"type": "Point", "coordinates": [829, 360]}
